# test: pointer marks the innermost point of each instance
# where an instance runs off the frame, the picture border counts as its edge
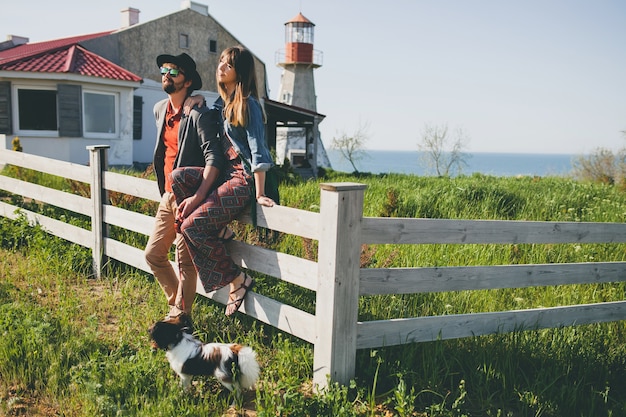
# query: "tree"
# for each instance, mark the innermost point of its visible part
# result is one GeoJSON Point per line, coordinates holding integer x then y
{"type": "Point", "coordinates": [352, 148]}
{"type": "Point", "coordinates": [442, 151]}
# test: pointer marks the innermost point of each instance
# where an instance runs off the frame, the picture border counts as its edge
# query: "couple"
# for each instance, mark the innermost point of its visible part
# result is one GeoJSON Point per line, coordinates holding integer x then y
{"type": "Point", "coordinates": [210, 165]}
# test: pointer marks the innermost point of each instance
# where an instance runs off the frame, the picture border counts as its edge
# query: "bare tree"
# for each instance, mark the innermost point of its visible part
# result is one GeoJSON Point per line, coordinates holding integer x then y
{"type": "Point", "coordinates": [443, 152]}
{"type": "Point", "coordinates": [352, 148]}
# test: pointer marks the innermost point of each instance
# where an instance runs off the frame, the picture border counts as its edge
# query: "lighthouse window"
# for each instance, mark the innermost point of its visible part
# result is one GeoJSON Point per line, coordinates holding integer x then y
{"type": "Point", "coordinates": [212, 46]}
{"type": "Point", "coordinates": [299, 33]}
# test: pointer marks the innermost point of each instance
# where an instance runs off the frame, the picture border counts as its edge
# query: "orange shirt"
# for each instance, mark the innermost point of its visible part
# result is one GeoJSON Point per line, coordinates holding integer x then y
{"type": "Point", "coordinates": [170, 139]}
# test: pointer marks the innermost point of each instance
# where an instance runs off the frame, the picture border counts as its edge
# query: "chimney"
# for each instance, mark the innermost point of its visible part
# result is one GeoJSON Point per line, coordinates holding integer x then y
{"type": "Point", "coordinates": [13, 41]}
{"type": "Point", "coordinates": [17, 40]}
{"type": "Point", "coordinates": [203, 9]}
{"type": "Point", "coordinates": [130, 16]}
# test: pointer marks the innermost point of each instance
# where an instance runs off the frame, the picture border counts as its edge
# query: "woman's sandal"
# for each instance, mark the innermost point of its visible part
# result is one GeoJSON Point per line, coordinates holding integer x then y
{"type": "Point", "coordinates": [224, 234]}
{"type": "Point", "coordinates": [237, 302]}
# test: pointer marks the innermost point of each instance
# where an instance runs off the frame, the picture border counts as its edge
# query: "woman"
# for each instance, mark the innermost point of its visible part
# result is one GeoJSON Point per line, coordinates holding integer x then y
{"type": "Point", "coordinates": [203, 221]}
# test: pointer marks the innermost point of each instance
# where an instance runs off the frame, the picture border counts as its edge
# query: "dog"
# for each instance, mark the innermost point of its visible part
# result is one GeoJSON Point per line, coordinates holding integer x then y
{"type": "Point", "coordinates": [235, 366]}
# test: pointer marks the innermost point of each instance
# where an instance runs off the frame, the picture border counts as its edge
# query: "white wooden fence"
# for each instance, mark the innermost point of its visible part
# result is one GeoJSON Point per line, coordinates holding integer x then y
{"type": "Point", "coordinates": [336, 277]}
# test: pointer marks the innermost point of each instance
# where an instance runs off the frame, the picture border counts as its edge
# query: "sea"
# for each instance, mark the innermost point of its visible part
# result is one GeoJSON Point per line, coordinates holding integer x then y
{"type": "Point", "coordinates": [496, 164]}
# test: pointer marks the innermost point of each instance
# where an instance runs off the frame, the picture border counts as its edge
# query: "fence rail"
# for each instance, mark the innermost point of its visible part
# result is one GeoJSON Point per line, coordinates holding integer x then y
{"type": "Point", "coordinates": [336, 277]}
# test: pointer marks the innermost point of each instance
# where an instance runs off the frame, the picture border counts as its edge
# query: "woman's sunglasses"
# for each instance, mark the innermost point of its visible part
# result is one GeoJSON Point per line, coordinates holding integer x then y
{"type": "Point", "coordinates": [172, 71]}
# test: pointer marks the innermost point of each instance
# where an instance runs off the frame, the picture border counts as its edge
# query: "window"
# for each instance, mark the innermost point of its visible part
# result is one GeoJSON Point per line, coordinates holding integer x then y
{"type": "Point", "coordinates": [37, 110]}
{"type": "Point", "coordinates": [212, 46]}
{"type": "Point", "coordinates": [61, 110]}
{"type": "Point", "coordinates": [183, 40]}
{"type": "Point", "coordinates": [99, 110]}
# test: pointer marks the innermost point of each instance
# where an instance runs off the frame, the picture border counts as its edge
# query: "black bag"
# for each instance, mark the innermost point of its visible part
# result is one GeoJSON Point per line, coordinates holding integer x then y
{"type": "Point", "coordinates": [271, 184]}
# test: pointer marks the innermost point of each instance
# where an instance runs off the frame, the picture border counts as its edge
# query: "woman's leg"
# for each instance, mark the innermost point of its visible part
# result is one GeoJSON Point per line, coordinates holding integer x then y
{"type": "Point", "coordinates": [201, 229]}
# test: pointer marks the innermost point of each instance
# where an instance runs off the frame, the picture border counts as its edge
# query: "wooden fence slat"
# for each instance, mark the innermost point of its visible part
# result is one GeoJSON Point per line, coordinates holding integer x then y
{"type": "Point", "coordinates": [58, 228]}
{"type": "Point", "coordinates": [138, 187]}
{"type": "Point", "coordinates": [425, 329]}
{"type": "Point", "coordinates": [301, 222]}
{"type": "Point", "coordinates": [126, 254]}
{"type": "Point", "coordinates": [459, 278]}
{"type": "Point", "coordinates": [282, 316]}
{"type": "Point", "coordinates": [434, 231]}
{"type": "Point", "coordinates": [286, 267]}
{"type": "Point", "coordinates": [69, 170]}
{"type": "Point", "coordinates": [68, 201]}
{"type": "Point", "coordinates": [126, 219]}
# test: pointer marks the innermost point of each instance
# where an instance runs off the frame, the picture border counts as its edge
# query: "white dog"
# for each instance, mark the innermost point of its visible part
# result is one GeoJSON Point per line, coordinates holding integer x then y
{"type": "Point", "coordinates": [235, 366]}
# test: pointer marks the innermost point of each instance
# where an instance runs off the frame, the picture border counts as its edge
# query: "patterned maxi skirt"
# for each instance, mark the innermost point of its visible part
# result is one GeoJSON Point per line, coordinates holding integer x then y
{"type": "Point", "coordinates": [201, 228]}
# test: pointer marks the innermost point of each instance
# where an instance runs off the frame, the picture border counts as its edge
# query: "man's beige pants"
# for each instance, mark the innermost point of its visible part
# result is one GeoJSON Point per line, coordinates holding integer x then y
{"type": "Point", "coordinates": [180, 290]}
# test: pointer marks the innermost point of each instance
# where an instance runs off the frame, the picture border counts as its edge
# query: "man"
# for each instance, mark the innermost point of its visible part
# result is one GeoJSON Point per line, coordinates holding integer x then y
{"type": "Point", "coordinates": [182, 141]}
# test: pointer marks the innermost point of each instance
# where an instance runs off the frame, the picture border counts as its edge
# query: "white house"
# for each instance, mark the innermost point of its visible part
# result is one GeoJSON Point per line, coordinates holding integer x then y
{"type": "Point", "coordinates": [58, 98]}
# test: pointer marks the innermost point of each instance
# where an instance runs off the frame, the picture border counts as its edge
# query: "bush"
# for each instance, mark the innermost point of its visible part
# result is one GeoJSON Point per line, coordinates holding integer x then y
{"type": "Point", "coordinates": [602, 166]}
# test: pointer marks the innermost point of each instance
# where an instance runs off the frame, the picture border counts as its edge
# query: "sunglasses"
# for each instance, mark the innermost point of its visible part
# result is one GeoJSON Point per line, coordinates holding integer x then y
{"type": "Point", "coordinates": [172, 71]}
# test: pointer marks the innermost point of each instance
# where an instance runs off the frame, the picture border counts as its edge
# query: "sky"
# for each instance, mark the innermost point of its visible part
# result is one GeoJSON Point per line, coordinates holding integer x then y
{"type": "Point", "coordinates": [531, 76]}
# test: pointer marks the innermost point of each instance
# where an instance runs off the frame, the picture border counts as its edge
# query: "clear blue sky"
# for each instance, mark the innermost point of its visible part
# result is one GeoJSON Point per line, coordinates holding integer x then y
{"type": "Point", "coordinates": [532, 76]}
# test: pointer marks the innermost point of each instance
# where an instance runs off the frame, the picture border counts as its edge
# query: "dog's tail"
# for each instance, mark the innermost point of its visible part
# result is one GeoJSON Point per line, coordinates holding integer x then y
{"type": "Point", "coordinates": [248, 368]}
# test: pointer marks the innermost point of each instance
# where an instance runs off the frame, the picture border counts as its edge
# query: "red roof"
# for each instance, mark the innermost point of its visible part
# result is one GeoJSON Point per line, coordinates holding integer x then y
{"type": "Point", "coordinates": [300, 19]}
{"type": "Point", "coordinates": [63, 56]}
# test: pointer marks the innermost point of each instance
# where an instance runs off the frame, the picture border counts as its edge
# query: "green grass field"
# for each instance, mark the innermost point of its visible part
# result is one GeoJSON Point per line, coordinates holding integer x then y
{"type": "Point", "coordinates": [75, 346]}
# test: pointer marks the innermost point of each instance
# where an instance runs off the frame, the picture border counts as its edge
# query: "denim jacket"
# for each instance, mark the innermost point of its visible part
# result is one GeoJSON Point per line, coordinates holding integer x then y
{"type": "Point", "coordinates": [249, 141]}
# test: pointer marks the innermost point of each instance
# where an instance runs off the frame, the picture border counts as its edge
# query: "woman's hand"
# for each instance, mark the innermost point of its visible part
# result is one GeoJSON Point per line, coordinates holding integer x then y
{"type": "Point", "coordinates": [187, 206]}
{"type": "Point", "coordinates": [191, 102]}
{"type": "Point", "coordinates": [265, 201]}
{"type": "Point", "coordinates": [261, 198]}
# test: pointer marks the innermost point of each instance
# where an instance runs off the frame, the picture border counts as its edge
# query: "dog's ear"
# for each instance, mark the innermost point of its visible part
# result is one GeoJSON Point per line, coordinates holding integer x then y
{"type": "Point", "coordinates": [183, 322]}
{"type": "Point", "coordinates": [165, 334]}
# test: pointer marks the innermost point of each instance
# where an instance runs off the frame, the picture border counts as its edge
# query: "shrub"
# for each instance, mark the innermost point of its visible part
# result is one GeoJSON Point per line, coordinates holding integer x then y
{"type": "Point", "coordinates": [602, 166]}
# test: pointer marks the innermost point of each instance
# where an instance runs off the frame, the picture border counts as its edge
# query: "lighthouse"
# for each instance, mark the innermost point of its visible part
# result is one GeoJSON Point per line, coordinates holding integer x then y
{"type": "Point", "coordinates": [302, 145]}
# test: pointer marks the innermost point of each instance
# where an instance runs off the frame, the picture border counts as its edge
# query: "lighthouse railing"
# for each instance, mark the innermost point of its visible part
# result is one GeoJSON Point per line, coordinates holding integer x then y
{"type": "Point", "coordinates": [280, 58]}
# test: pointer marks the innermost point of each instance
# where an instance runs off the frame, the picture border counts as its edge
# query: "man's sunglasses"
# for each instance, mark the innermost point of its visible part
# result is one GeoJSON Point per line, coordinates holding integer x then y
{"type": "Point", "coordinates": [172, 71]}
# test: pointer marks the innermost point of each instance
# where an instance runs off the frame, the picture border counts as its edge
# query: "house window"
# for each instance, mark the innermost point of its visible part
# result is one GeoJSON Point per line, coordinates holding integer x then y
{"type": "Point", "coordinates": [37, 110]}
{"type": "Point", "coordinates": [212, 46]}
{"type": "Point", "coordinates": [183, 40]}
{"type": "Point", "coordinates": [99, 110]}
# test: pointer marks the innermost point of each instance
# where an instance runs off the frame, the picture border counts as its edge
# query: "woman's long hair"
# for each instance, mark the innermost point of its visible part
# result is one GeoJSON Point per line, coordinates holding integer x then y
{"type": "Point", "coordinates": [236, 104]}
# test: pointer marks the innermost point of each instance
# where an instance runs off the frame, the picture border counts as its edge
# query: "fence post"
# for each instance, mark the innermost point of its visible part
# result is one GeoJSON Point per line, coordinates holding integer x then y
{"type": "Point", "coordinates": [98, 164]}
{"type": "Point", "coordinates": [337, 298]}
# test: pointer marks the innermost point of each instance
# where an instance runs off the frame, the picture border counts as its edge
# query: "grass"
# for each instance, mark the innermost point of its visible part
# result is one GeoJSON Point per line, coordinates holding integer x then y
{"type": "Point", "coordinates": [76, 346]}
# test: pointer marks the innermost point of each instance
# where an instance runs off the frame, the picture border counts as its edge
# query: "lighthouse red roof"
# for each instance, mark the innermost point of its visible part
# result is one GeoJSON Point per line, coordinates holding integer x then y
{"type": "Point", "coordinates": [301, 19]}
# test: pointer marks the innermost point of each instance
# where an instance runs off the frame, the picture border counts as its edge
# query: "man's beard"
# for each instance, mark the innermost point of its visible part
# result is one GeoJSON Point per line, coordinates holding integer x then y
{"type": "Point", "coordinates": [169, 88]}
